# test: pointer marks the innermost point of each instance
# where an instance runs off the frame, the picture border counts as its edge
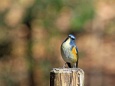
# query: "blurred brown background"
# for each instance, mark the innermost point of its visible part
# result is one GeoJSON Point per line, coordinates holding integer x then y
{"type": "Point", "coordinates": [31, 32]}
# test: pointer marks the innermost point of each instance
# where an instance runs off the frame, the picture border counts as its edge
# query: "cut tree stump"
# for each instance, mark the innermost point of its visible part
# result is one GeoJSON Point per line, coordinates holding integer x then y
{"type": "Point", "coordinates": [67, 77]}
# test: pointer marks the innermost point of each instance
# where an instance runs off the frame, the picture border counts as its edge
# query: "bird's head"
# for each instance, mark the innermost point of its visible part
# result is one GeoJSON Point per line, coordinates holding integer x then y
{"type": "Point", "coordinates": [70, 38]}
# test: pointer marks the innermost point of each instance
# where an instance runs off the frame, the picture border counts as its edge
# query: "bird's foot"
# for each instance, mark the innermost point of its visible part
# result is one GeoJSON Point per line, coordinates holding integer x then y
{"type": "Point", "coordinates": [64, 66]}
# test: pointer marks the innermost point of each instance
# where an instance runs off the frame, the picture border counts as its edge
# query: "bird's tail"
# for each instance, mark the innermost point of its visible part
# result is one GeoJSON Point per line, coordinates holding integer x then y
{"type": "Point", "coordinates": [77, 64]}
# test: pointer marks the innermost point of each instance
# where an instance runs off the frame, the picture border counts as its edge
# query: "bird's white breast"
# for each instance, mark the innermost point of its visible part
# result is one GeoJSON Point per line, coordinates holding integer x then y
{"type": "Point", "coordinates": [66, 53]}
{"type": "Point", "coordinates": [67, 44]}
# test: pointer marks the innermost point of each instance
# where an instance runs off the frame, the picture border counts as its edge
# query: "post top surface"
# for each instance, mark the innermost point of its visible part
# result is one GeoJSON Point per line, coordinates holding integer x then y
{"type": "Point", "coordinates": [67, 70]}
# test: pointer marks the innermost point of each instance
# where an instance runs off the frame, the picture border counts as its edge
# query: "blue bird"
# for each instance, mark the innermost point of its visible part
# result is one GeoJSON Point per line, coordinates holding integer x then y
{"type": "Point", "coordinates": [69, 52]}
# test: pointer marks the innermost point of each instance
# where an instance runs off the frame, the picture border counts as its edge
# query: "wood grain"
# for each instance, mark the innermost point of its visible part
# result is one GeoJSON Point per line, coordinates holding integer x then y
{"type": "Point", "coordinates": [67, 77]}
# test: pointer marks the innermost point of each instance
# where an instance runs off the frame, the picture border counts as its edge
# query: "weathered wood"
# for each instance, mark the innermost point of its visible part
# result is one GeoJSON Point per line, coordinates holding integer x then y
{"type": "Point", "coordinates": [67, 77]}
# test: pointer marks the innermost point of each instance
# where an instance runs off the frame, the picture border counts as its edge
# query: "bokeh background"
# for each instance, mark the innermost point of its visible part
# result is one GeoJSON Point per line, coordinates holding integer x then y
{"type": "Point", "coordinates": [31, 32]}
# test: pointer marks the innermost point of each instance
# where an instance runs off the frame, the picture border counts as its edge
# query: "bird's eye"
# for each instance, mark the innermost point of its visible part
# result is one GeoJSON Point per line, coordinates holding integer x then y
{"type": "Point", "coordinates": [73, 38]}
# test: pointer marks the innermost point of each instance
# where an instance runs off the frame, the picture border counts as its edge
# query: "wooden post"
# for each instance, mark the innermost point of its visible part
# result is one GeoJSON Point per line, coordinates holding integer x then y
{"type": "Point", "coordinates": [67, 77]}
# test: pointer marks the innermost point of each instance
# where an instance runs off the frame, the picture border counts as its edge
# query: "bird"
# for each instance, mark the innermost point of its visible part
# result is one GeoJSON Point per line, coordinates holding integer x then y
{"type": "Point", "coordinates": [69, 52]}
